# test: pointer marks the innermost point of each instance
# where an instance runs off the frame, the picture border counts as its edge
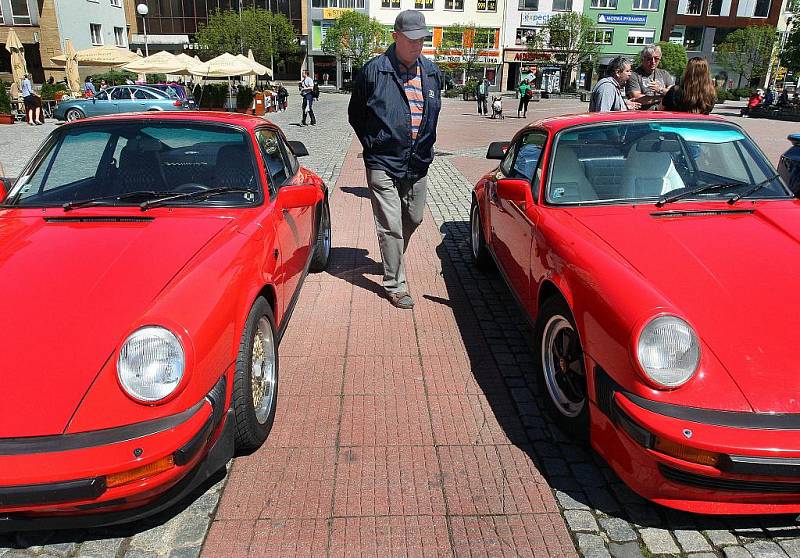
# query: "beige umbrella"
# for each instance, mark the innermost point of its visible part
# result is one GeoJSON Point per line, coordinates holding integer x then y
{"type": "Point", "coordinates": [101, 56]}
{"type": "Point", "coordinates": [160, 63]}
{"type": "Point", "coordinates": [225, 65]}
{"type": "Point", "coordinates": [18, 66]}
{"type": "Point", "coordinates": [71, 68]}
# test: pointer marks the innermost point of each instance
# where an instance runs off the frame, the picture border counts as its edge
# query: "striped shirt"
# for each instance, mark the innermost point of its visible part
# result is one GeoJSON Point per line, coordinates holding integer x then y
{"type": "Point", "coordinates": [412, 84]}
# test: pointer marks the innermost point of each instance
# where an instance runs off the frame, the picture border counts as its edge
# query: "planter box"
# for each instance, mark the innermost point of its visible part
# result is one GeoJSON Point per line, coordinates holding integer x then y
{"type": "Point", "coordinates": [6, 119]}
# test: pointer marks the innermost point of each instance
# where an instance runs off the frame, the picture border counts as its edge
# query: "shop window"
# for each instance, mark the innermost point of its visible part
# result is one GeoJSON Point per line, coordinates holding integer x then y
{"type": "Point", "coordinates": [97, 33]}
{"type": "Point", "coordinates": [528, 4]}
{"type": "Point", "coordinates": [390, 4]}
{"type": "Point", "coordinates": [484, 38]}
{"type": "Point", "coordinates": [119, 36]}
{"type": "Point", "coordinates": [762, 8]}
{"type": "Point", "coordinates": [650, 5]}
{"type": "Point", "coordinates": [693, 38]}
{"type": "Point", "coordinates": [562, 5]}
{"type": "Point", "coordinates": [714, 7]}
{"type": "Point", "coordinates": [454, 5]}
{"type": "Point", "coordinates": [601, 36]}
{"type": "Point", "coordinates": [452, 38]}
{"type": "Point", "coordinates": [641, 36]}
{"type": "Point", "coordinates": [606, 4]}
{"type": "Point", "coordinates": [423, 4]}
{"type": "Point", "coordinates": [487, 5]}
{"type": "Point", "coordinates": [19, 12]}
{"type": "Point", "coordinates": [525, 36]}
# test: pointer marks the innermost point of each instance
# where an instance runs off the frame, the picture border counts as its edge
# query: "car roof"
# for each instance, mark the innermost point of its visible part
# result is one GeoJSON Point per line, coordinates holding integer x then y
{"type": "Point", "coordinates": [208, 117]}
{"type": "Point", "coordinates": [558, 123]}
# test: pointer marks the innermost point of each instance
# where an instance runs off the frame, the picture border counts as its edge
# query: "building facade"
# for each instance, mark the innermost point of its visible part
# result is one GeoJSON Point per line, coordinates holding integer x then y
{"type": "Point", "coordinates": [23, 17]}
{"type": "Point", "coordinates": [322, 14]}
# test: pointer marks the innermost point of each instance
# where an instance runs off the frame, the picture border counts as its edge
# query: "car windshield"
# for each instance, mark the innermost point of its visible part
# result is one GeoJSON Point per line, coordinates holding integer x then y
{"type": "Point", "coordinates": [127, 163]}
{"type": "Point", "coordinates": [658, 161]}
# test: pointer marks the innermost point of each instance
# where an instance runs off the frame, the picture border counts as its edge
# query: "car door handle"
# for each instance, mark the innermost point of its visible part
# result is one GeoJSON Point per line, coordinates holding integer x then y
{"type": "Point", "coordinates": [275, 253]}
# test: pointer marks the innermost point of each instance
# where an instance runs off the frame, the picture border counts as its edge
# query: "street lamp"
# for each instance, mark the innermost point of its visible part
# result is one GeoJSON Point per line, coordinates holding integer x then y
{"type": "Point", "coordinates": [786, 32]}
{"type": "Point", "coordinates": [142, 10]}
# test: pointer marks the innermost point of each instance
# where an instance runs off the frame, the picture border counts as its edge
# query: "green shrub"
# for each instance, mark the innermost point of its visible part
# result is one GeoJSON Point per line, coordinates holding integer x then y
{"type": "Point", "coordinates": [112, 77]}
{"type": "Point", "coordinates": [742, 92]}
{"type": "Point", "coordinates": [5, 99]}
{"type": "Point", "coordinates": [156, 78]}
{"type": "Point", "coordinates": [244, 97]}
{"type": "Point", "coordinates": [212, 95]}
{"type": "Point", "coordinates": [453, 93]}
{"type": "Point", "coordinates": [49, 91]}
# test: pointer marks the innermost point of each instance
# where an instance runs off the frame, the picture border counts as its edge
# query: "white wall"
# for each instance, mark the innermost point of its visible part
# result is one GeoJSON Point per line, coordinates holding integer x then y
{"type": "Point", "coordinates": [74, 17]}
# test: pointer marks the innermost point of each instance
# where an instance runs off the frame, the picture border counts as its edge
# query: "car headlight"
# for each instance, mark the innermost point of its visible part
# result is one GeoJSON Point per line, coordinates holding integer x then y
{"type": "Point", "coordinates": [151, 363]}
{"type": "Point", "coordinates": [668, 351]}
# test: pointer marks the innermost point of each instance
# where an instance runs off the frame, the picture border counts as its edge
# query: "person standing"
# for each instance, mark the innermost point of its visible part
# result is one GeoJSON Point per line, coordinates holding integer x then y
{"type": "Point", "coordinates": [525, 93]}
{"type": "Point", "coordinates": [88, 88]}
{"type": "Point", "coordinates": [696, 93]}
{"type": "Point", "coordinates": [607, 93]}
{"type": "Point", "coordinates": [648, 83]}
{"type": "Point", "coordinates": [482, 93]}
{"type": "Point", "coordinates": [307, 91]}
{"type": "Point", "coordinates": [394, 110]}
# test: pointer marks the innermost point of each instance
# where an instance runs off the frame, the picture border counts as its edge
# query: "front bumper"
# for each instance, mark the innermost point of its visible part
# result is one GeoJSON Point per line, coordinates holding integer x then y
{"type": "Point", "coordinates": [717, 462]}
{"type": "Point", "coordinates": [198, 441]}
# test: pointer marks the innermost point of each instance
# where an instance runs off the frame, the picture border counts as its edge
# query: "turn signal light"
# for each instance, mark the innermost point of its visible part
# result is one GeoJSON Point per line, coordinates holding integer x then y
{"type": "Point", "coordinates": [142, 472]}
{"type": "Point", "coordinates": [686, 453]}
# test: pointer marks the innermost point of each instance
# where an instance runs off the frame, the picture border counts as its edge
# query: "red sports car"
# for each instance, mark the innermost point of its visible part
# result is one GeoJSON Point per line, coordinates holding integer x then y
{"type": "Point", "coordinates": [150, 264]}
{"type": "Point", "coordinates": [657, 257]}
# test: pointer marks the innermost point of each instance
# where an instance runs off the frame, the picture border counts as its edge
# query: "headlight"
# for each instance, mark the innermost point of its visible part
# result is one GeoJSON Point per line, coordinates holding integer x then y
{"type": "Point", "coordinates": [151, 363]}
{"type": "Point", "coordinates": [668, 351]}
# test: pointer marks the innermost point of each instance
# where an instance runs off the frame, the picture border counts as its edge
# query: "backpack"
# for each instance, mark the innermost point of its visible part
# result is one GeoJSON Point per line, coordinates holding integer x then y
{"type": "Point", "coordinates": [315, 91]}
{"type": "Point", "coordinates": [482, 88]}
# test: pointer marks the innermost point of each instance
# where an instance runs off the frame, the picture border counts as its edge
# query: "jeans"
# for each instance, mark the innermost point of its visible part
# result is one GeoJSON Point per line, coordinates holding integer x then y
{"type": "Point", "coordinates": [308, 101]}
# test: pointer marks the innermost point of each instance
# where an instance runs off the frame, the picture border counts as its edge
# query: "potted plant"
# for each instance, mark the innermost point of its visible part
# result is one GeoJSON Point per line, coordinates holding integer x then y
{"type": "Point", "coordinates": [244, 99]}
{"type": "Point", "coordinates": [5, 105]}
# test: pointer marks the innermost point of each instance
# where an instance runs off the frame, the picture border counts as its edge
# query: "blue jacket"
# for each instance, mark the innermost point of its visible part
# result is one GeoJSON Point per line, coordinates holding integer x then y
{"type": "Point", "coordinates": [380, 116]}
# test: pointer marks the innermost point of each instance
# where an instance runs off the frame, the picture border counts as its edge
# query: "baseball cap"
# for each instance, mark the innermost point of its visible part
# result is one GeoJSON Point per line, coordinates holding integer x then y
{"type": "Point", "coordinates": [411, 23]}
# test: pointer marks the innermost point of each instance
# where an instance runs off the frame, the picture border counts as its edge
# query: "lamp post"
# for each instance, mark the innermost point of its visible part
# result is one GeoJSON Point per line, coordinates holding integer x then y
{"type": "Point", "coordinates": [142, 10]}
{"type": "Point", "coordinates": [785, 35]}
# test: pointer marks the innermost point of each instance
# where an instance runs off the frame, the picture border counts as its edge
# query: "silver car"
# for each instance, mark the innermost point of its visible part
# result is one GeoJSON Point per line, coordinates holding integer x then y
{"type": "Point", "coordinates": [119, 99]}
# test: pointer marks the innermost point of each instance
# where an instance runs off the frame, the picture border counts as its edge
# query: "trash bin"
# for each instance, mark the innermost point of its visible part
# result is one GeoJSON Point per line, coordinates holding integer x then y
{"type": "Point", "coordinates": [258, 104]}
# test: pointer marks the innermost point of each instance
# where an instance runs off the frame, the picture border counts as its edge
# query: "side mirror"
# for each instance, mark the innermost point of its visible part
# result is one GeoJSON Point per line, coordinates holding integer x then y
{"type": "Point", "coordinates": [497, 150]}
{"type": "Point", "coordinates": [303, 195]}
{"type": "Point", "coordinates": [515, 190]}
{"type": "Point", "coordinates": [298, 148]}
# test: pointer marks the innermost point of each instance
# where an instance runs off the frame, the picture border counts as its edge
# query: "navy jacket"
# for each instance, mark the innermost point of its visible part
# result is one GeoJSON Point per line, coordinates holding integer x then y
{"type": "Point", "coordinates": [380, 116]}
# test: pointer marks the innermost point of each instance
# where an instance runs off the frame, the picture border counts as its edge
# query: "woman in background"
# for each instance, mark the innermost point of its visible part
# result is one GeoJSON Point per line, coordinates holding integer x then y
{"type": "Point", "coordinates": [696, 93]}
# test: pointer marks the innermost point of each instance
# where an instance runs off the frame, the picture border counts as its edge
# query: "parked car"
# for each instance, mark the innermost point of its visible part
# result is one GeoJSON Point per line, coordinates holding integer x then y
{"type": "Point", "coordinates": [176, 91]}
{"type": "Point", "coordinates": [150, 266]}
{"type": "Point", "coordinates": [119, 99]}
{"type": "Point", "coordinates": [789, 165]}
{"type": "Point", "coordinates": [656, 255]}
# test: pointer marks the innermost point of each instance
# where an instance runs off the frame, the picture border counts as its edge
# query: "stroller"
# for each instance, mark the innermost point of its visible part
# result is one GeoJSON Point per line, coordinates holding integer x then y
{"type": "Point", "coordinates": [497, 108]}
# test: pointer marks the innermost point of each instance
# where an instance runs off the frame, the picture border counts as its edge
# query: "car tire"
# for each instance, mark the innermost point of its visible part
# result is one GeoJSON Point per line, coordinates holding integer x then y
{"type": "Point", "coordinates": [478, 248]}
{"type": "Point", "coordinates": [322, 245]}
{"type": "Point", "coordinates": [256, 379]}
{"type": "Point", "coordinates": [560, 367]}
{"type": "Point", "coordinates": [73, 114]}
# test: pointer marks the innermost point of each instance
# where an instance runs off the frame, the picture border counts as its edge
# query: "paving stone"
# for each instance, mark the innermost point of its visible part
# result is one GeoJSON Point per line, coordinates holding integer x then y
{"type": "Point", "coordinates": [643, 515]}
{"type": "Point", "coordinates": [579, 520]}
{"type": "Point", "coordinates": [791, 547]}
{"type": "Point", "coordinates": [570, 501]}
{"type": "Point", "coordinates": [61, 549]}
{"type": "Point", "coordinates": [702, 555]}
{"type": "Point", "coordinates": [588, 474]}
{"type": "Point", "coordinates": [602, 500]}
{"type": "Point", "coordinates": [625, 550]}
{"type": "Point", "coordinates": [592, 546]}
{"type": "Point", "coordinates": [100, 548]}
{"type": "Point", "coordinates": [659, 541]}
{"type": "Point", "coordinates": [721, 537]}
{"type": "Point", "coordinates": [691, 541]}
{"type": "Point", "coordinates": [191, 552]}
{"type": "Point", "coordinates": [736, 552]}
{"type": "Point", "coordinates": [139, 553]}
{"type": "Point", "coordinates": [618, 530]}
{"type": "Point", "coordinates": [765, 549]}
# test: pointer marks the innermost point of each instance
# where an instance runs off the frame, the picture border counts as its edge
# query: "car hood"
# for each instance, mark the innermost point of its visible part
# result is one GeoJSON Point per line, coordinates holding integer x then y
{"type": "Point", "coordinates": [72, 291]}
{"type": "Point", "coordinates": [733, 276]}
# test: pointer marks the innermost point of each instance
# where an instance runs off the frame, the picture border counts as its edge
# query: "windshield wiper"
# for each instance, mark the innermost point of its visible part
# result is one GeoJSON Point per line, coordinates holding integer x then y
{"type": "Point", "coordinates": [119, 197]}
{"type": "Point", "coordinates": [663, 200]}
{"type": "Point", "coordinates": [196, 195]}
{"type": "Point", "coordinates": [752, 190]}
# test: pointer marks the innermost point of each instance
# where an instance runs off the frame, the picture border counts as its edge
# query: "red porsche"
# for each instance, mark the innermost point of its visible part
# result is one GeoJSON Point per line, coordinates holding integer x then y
{"type": "Point", "coordinates": [150, 264]}
{"type": "Point", "coordinates": [657, 258]}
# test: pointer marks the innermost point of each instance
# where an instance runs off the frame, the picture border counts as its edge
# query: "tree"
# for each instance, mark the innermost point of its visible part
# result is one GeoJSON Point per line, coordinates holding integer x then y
{"type": "Point", "coordinates": [673, 58]}
{"type": "Point", "coordinates": [355, 37]}
{"type": "Point", "coordinates": [790, 57]}
{"type": "Point", "coordinates": [465, 47]}
{"type": "Point", "coordinates": [268, 34]}
{"type": "Point", "coordinates": [572, 36]}
{"type": "Point", "coordinates": [748, 52]}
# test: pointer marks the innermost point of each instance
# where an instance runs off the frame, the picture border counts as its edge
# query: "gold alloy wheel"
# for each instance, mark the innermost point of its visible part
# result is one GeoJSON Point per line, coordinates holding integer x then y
{"type": "Point", "coordinates": [262, 371]}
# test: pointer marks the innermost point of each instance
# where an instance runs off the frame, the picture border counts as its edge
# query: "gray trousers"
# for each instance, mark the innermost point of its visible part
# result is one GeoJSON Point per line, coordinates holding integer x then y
{"type": "Point", "coordinates": [398, 206]}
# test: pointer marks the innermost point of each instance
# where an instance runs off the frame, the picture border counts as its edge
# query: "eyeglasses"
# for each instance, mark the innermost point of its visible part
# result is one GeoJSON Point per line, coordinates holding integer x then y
{"type": "Point", "coordinates": [653, 58]}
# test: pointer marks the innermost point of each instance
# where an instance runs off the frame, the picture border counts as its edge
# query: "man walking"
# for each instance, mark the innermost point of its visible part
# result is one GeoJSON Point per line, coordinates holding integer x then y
{"type": "Point", "coordinates": [394, 110]}
{"type": "Point", "coordinates": [607, 93]}
{"type": "Point", "coordinates": [307, 91]}
{"type": "Point", "coordinates": [649, 83]}
{"type": "Point", "coordinates": [483, 92]}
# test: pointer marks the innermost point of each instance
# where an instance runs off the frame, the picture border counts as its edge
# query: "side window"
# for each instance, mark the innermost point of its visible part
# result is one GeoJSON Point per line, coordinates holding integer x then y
{"type": "Point", "coordinates": [120, 93]}
{"type": "Point", "coordinates": [528, 155]}
{"type": "Point", "coordinates": [142, 94]}
{"type": "Point", "coordinates": [102, 96]}
{"type": "Point", "coordinates": [506, 166]}
{"type": "Point", "coordinates": [292, 164]}
{"type": "Point", "coordinates": [273, 157]}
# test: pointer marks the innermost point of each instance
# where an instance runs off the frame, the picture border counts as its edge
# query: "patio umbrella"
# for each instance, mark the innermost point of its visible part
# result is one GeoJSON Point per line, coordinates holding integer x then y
{"type": "Point", "coordinates": [224, 66]}
{"type": "Point", "coordinates": [71, 68]}
{"type": "Point", "coordinates": [159, 63]}
{"type": "Point", "coordinates": [101, 56]}
{"type": "Point", "coordinates": [18, 66]}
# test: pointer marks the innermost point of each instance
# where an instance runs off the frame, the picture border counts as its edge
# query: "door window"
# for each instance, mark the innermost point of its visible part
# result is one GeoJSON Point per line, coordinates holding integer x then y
{"type": "Point", "coordinates": [121, 94]}
{"type": "Point", "coordinates": [141, 94]}
{"type": "Point", "coordinates": [273, 158]}
{"type": "Point", "coordinates": [528, 154]}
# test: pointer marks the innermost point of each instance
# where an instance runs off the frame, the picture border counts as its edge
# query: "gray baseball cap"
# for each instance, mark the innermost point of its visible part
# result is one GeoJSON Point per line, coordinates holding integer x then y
{"type": "Point", "coordinates": [411, 23]}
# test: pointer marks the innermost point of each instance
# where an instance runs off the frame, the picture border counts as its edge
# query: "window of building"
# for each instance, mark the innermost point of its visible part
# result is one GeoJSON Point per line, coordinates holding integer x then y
{"type": "Point", "coordinates": [601, 36]}
{"type": "Point", "coordinates": [484, 38]}
{"type": "Point", "coordinates": [720, 34]}
{"type": "Point", "coordinates": [694, 7]}
{"type": "Point", "coordinates": [606, 4]}
{"type": "Point", "coordinates": [119, 36]}
{"type": "Point", "coordinates": [390, 4]}
{"type": "Point", "coordinates": [641, 36]}
{"type": "Point", "coordinates": [528, 4]}
{"type": "Point", "coordinates": [487, 5]}
{"type": "Point", "coordinates": [452, 38]}
{"type": "Point", "coordinates": [762, 8]}
{"type": "Point", "coordinates": [792, 6]}
{"type": "Point", "coordinates": [2, 21]}
{"type": "Point", "coordinates": [117, 3]}
{"type": "Point", "coordinates": [423, 4]}
{"type": "Point", "coordinates": [714, 7]}
{"type": "Point", "coordinates": [693, 38]}
{"type": "Point", "coordinates": [562, 5]}
{"type": "Point", "coordinates": [650, 5]}
{"type": "Point", "coordinates": [19, 12]}
{"type": "Point", "coordinates": [526, 36]}
{"type": "Point", "coordinates": [454, 5]}
{"type": "Point", "coordinates": [97, 33]}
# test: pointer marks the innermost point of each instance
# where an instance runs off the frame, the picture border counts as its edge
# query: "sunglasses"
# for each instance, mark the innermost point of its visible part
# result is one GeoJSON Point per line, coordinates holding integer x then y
{"type": "Point", "coordinates": [654, 58]}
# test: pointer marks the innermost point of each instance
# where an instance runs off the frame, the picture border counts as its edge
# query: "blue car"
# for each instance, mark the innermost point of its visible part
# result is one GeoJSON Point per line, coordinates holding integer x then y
{"type": "Point", "coordinates": [789, 165]}
{"type": "Point", "coordinates": [119, 99]}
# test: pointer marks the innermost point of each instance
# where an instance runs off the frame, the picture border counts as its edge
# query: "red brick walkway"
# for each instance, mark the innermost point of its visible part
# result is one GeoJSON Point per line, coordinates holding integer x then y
{"type": "Point", "coordinates": [394, 435]}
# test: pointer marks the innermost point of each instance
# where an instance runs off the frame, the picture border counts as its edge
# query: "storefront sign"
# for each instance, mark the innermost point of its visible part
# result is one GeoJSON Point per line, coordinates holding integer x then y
{"type": "Point", "coordinates": [487, 5]}
{"type": "Point", "coordinates": [622, 19]}
{"type": "Point", "coordinates": [526, 56]}
{"type": "Point", "coordinates": [489, 59]}
{"type": "Point", "coordinates": [334, 13]}
{"type": "Point", "coordinates": [535, 19]}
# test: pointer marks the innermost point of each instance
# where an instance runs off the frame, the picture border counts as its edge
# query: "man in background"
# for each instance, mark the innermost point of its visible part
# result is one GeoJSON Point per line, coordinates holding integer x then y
{"type": "Point", "coordinates": [307, 92]}
{"type": "Point", "coordinates": [649, 83]}
{"type": "Point", "coordinates": [607, 95]}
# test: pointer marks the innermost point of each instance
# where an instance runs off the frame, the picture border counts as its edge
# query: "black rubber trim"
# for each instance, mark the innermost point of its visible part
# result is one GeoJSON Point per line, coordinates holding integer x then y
{"type": "Point", "coordinates": [766, 466]}
{"type": "Point", "coordinates": [52, 493]}
{"type": "Point", "coordinates": [216, 397]}
{"type": "Point", "coordinates": [733, 419]}
{"type": "Point", "coordinates": [68, 442]}
{"type": "Point", "coordinates": [701, 213]}
{"type": "Point", "coordinates": [639, 434]}
{"type": "Point", "coordinates": [728, 485]}
{"type": "Point", "coordinates": [98, 219]}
